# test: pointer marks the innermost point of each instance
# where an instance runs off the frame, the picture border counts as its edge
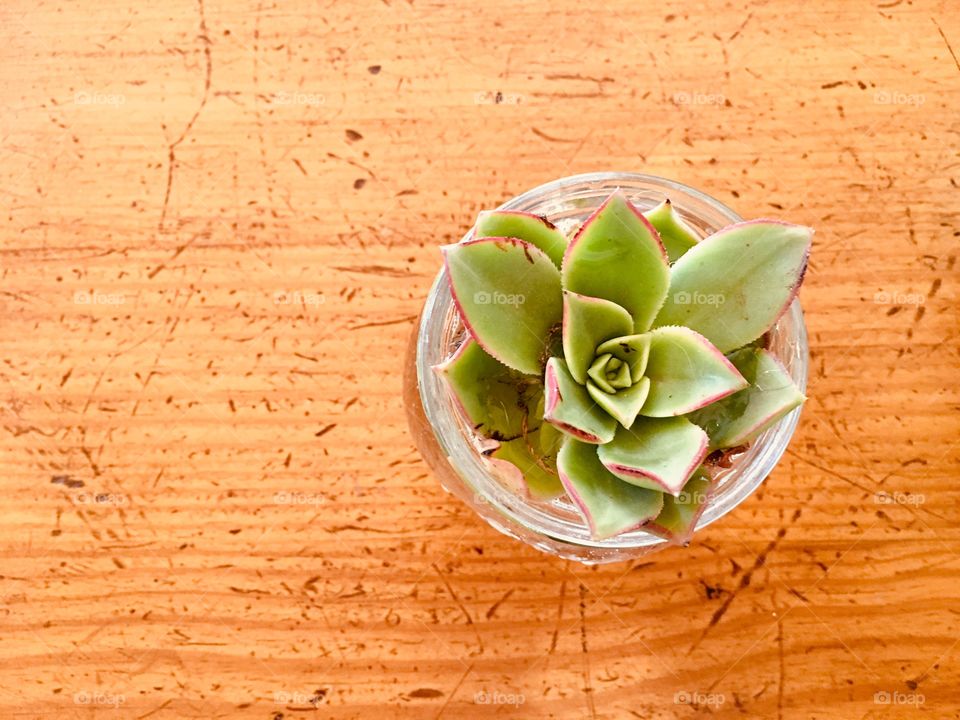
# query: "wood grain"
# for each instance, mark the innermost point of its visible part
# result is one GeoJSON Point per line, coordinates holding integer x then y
{"type": "Point", "coordinates": [220, 219]}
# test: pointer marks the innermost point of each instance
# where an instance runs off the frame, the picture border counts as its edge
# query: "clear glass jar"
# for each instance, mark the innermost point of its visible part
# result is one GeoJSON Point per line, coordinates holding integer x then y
{"type": "Point", "coordinates": [452, 450]}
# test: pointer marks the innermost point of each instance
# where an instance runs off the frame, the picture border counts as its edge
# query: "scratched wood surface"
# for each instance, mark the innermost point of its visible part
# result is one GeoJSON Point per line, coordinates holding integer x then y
{"type": "Point", "coordinates": [219, 222]}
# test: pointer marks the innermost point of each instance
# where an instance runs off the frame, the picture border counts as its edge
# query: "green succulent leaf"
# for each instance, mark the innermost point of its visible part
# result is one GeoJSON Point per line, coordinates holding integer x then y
{"type": "Point", "coordinates": [508, 294]}
{"type": "Point", "coordinates": [624, 405]}
{"type": "Point", "coordinates": [733, 286]}
{"type": "Point", "coordinates": [568, 406]}
{"type": "Point", "coordinates": [618, 256]}
{"type": "Point", "coordinates": [678, 518]}
{"type": "Point", "coordinates": [739, 418]}
{"type": "Point", "coordinates": [632, 350]}
{"type": "Point", "coordinates": [655, 453]}
{"type": "Point", "coordinates": [499, 402]}
{"type": "Point", "coordinates": [677, 237]}
{"type": "Point", "coordinates": [587, 322]}
{"type": "Point", "coordinates": [609, 505]}
{"type": "Point", "coordinates": [535, 229]}
{"type": "Point", "coordinates": [534, 455]}
{"type": "Point", "coordinates": [686, 373]}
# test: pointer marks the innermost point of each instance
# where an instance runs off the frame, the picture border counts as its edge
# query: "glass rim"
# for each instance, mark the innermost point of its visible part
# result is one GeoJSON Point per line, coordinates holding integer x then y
{"type": "Point", "coordinates": [465, 460]}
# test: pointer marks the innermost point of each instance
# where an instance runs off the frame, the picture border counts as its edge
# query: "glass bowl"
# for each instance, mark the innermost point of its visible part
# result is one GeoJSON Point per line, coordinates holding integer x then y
{"type": "Point", "coordinates": [451, 449]}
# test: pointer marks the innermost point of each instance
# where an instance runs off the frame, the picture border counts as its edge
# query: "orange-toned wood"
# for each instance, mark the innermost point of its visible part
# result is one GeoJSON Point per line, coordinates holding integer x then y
{"type": "Point", "coordinates": [219, 221]}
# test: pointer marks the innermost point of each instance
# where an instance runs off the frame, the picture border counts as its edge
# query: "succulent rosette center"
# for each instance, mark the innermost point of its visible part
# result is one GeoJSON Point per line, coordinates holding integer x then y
{"type": "Point", "coordinates": [619, 363]}
{"type": "Point", "coordinates": [648, 379]}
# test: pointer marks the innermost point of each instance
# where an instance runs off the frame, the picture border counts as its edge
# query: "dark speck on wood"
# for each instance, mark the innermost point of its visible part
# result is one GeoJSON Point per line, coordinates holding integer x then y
{"type": "Point", "coordinates": [324, 430]}
{"type": "Point", "coordinates": [66, 481]}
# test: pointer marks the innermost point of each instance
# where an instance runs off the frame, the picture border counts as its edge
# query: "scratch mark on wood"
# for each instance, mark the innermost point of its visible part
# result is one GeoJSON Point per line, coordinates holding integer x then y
{"type": "Point", "coordinates": [96, 385]}
{"type": "Point", "coordinates": [374, 270]}
{"type": "Point", "coordinates": [172, 148]}
{"type": "Point", "coordinates": [556, 629]}
{"type": "Point", "coordinates": [157, 709]}
{"type": "Point", "coordinates": [949, 46]}
{"type": "Point", "coordinates": [462, 607]}
{"type": "Point", "coordinates": [93, 465]}
{"type": "Point", "coordinates": [339, 528]}
{"type": "Point", "coordinates": [454, 691]}
{"type": "Point", "coordinates": [585, 651]}
{"type": "Point", "coordinates": [831, 473]}
{"type": "Point", "coordinates": [745, 580]}
{"type": "Point", "coordinates": [780, 684]}
{"type": "Point", "coordinates": [406, 319]}
{"type": "Point", "coordinates": [742, 26]}
{"type": "Point", "coordinates": [498, 603]}
{"type": "Point", "coordinates": [551, 138]}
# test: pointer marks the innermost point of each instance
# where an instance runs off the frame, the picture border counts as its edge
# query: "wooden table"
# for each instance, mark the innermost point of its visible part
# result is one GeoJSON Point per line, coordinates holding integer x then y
{"type": "Point", "coordinates": [219, 223]}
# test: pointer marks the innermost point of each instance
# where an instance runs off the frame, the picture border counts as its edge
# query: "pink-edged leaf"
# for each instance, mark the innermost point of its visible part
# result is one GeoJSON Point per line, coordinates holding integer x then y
{"type": "Point", "coordinates": [569, 407]}
{"type": "Point", "coordinates": [497, 401]}
{"type": "Point", "coordinates": [733, 286]}
{"type": "Point", "coordinates": [617, 255]}
{"type": "Point", "coordinates": [679, 516]}
{"type": "Point", "coordinates": [738, 419]}
{"type": "Point", "coordinates": [677, 237]}
{"type": "Point", "coordinates": [508, 294]}
{"type": "Point", "coordinates": [587, 322]}
{"type": "Point", "coordinates": [624, 405]}
{"type": "Point", "coordinates": [655, 453]}
{"type": "Point", "coordinates": [535, 229]}
{"type": "Point", "coordinates": [534, 457]}
{"type": "Point", "coordinates": [686, 373]}
{"type": "Point", "coordinates": [609, 505]}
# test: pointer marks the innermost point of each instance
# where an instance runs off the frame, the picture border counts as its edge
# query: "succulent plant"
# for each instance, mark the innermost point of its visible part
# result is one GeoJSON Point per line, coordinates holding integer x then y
{"type": "Point", "coordinates": [608, 366]}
